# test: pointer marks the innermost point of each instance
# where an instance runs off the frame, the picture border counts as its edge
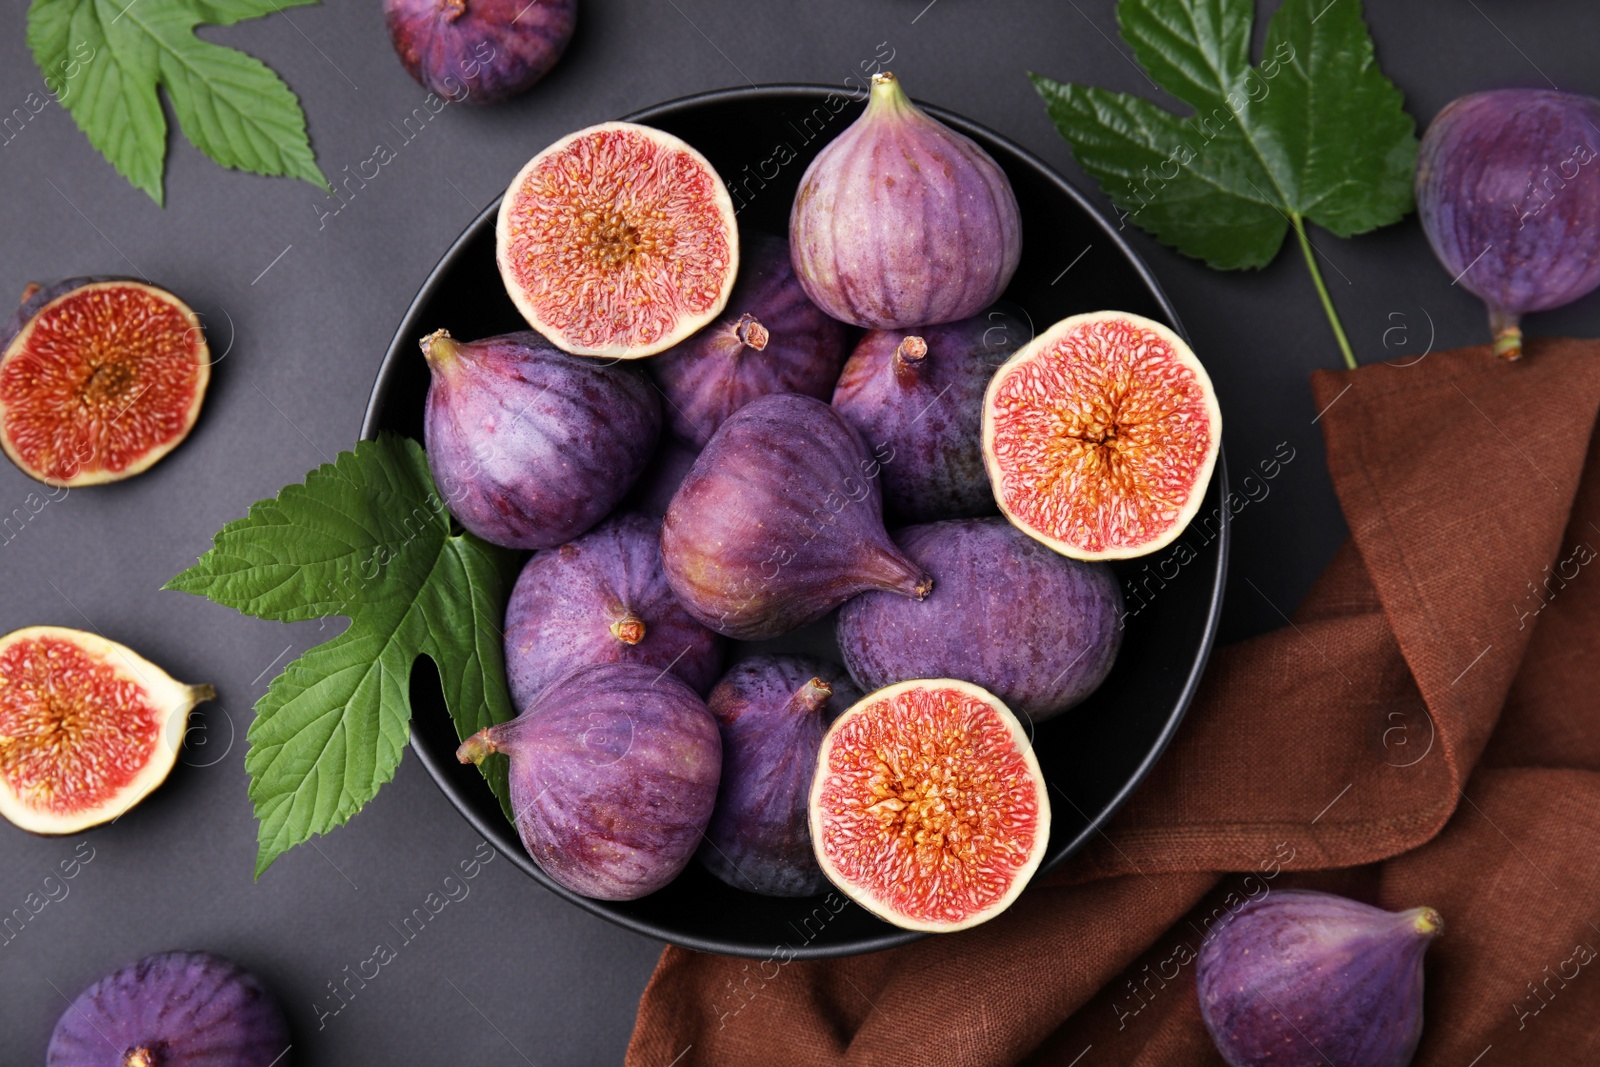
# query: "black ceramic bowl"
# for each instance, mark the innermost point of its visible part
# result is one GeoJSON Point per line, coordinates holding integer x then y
{"type": "Point", "coordinates": [1095, 755]}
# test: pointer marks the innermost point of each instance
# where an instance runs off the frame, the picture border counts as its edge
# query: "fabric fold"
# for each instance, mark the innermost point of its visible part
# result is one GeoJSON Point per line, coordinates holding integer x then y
{"type": "Point", "coordinates": [1459, 626]}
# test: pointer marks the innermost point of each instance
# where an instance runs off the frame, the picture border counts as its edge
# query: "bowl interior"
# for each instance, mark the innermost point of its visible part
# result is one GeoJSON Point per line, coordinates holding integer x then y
{"type": "Point", "coordinates": [761, 140]}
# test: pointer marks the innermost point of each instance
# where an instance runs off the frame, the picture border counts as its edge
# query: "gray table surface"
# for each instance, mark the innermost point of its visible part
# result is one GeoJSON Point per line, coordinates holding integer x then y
{"type": "Point", "coordinates": [509, 973]}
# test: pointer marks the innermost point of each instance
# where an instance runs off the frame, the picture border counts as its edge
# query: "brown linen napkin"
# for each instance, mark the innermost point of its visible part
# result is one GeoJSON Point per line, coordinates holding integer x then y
{"type": "Point", "coordinates": [1425, 730]}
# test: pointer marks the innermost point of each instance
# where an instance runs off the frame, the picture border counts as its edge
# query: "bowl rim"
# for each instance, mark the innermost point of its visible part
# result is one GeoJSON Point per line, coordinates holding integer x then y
{"type": "Point", "coordinates": [498, 832]}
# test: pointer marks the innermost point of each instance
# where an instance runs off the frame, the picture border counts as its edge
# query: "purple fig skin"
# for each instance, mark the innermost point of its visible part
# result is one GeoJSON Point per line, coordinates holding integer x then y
{"type": "Point", "coordinates": [479, 51]}
{"type": "Point", "coordinates": [181, 1009]}
{"type": "Point", "coordinates": [772, 711]}
{"type": "Point", "coordinates": [602, 599]}
{"type": "Point", "coordinates": [528, 445]}
{"type": "Point", "coordinates": [1508, 191]}
{"type": "Point", "coordinates": [779, 522]}
{"type": "Point", "coordinates": [771, 339]}
{"type": "Point", "coordinates": [36, 296]}
{"type": "Point", "coordinates": [1038, 630]}
{"type": "Point", "coordinates": [1350, 973]}
{"type": "Point", "coordinates": [901, 221]}
{"type": "Point", "coordinates": [659, 483]}
{"type": "Point", "coordinates": [614, 772]}
{"type": "Point", "coordinates": [921, 392]}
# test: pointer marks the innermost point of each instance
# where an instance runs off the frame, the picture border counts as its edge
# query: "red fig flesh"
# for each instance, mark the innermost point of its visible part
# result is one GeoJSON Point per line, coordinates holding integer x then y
{"type": "Point", "coordinates": [88, 728]}
{"type": "Point", "coordinates": [99, 379]}
{"type": "Point", "coordinates": [929, 808]}
{"type": "Point", "coordinates": [618, 240]}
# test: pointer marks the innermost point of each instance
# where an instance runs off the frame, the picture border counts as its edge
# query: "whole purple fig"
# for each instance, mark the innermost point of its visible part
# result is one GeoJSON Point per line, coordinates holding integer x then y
{"type": "Point", "coordinates": [770, 339]}
{"type": "Point", "coordinates": [1038, 630]}
{"type": "Point", "coordinates": [901, 221]}
{"type": "Point", "coordinates": [175, 1009]}
{"type": "Point", "coordinates": [1349, 974]}
{"type": "Point", "coordinates": [602, 599]}
{"type": "Point", "coordinates": [921, 393]}
{"type": "Point", "coordinates": [528, 445]}
{"type": "Point", "coordinates": [1508, 191]}
{"type": "Point", "coordinates": [479, 51]}
{"type": "Point", "coordinates": [772, 711]}
{"type": "Point", "coordinates": [614, 772]}
{"type": "Point", "coordinates": [780, 521]}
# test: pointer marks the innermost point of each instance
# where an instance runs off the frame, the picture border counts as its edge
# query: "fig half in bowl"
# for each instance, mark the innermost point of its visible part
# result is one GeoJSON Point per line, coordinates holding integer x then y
{"type": "Point", "coordinates": [1093, 756]}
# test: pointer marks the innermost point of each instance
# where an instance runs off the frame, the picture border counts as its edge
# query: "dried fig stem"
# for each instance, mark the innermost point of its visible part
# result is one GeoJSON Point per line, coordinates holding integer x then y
{"type": "Point", "coordinates": [1506, 327]}
{"type": "Point", "coordinates": [811, 696]}
{"type": "Point", "coordinates": [911, 351]}
{"type": "Point", "coordinates": [751, 333]}
{"type": "Point", "coordinates": [629, 629]}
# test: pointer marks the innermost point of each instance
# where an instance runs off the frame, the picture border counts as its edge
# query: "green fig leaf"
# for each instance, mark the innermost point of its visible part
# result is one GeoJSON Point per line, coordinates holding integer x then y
{"type": "Point", "coordinates": [1313, 132]}
{"type": "Point", "coordinates": [103, 59]}
{"type": "Point", "coordinates": [366, 537]}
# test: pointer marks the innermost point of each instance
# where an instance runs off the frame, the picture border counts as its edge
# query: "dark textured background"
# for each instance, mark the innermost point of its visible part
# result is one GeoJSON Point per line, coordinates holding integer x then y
{"type": "Point", "coordinates": [509, 973]}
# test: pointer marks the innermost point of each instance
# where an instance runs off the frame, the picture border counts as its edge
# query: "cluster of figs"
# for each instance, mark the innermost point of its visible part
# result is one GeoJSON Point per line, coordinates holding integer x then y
{"type": "Point", "coordinates": [734, 487]}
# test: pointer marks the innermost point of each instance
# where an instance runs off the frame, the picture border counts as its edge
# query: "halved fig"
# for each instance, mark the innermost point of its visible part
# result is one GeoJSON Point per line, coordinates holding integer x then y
{"type": "Point", "coordinates": [1100, 435]}
{"type": "Point", "coordinates": [618, 240]}
{"type": "Point", "coordinates": [88, 728]}
{"type": "Point", "coordinates": [928, 807]}
{"type": "Point", "coordinates": [99, 378]}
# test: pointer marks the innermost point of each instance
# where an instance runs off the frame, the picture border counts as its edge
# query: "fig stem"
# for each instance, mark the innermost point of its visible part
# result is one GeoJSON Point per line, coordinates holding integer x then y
{"type": "Point", "coordinates": [29, 292]}
{"type": "Point", "coordinates": [1322, 290]}
{"type": "Point", "coordinates": [911, 351]}
{"type": "Point", "coordinates": [892, 572]}
{"type": "Point", "coordinates": [629, 629]}
{"type": "Point", "coordinates": [886, 93]}
{"type": "Point", "coordinates": [751, 333]}
{"type": "Point", "coordinates": [439, 347]}
{"type": "Point", "coordinates": [476, 748]}
{"type": "Point", "coordinates": [1506, 326]}
{"type": "Point", "coordinates": [811, 696]}
{"type": "Point", "coordinates": [199, 694]}
{"type": "Point", "coordinates": [142, 1056]}
{"type": "Point", "coordinates": [1428, 922]}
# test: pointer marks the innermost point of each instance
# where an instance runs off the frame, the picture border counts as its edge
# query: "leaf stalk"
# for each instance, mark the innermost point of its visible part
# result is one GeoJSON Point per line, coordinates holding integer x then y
{"type": "Point", "coordinates": [1322, 290]}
